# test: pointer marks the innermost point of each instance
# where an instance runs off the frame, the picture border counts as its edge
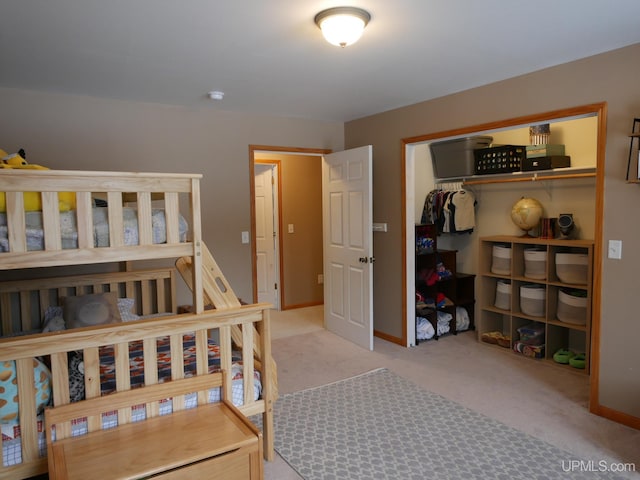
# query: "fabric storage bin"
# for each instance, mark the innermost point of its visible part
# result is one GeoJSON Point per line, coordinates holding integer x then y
{"type": "Point", "coordinates": [572, 268]}
{"type": "Point", "coordinates": [533, 300]}
{"type": "Point", "coordinates": [503, 295]}
{"type": "Point", "coordinates": [501, 260]}
{"type": "Point", "coordinates": [535, 263]}
{"type": "Point", "coordinates": [572, 306]}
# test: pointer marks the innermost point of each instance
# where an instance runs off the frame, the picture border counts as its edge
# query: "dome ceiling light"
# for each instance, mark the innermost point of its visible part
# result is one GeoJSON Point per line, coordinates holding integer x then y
{"type": "Point", "coordinates": [342, 26]}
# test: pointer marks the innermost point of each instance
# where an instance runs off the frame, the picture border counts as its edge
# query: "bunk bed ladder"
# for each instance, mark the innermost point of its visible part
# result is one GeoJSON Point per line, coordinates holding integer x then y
{"type": "Point", "coordinates": [219, 294]}
{"type": "Point", "coordinates": [217, 291]}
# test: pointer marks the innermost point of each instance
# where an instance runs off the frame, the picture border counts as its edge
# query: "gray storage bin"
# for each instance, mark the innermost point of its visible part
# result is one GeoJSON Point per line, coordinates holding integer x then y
{"type": "Point", "coordinates": [573, 268]}
{"type": "Point", "coordinates": [533, 300]}
{"type": "Point", "coordinates": [455, 158]}
{"type": "Point", "coordinates": [535, 263]}
{"type": "Point", "coordinates": [503, 295]}
{"type": "Point", "coordinates": [572, 308]}
{"type": "Point", "coordinates": [501, 260]}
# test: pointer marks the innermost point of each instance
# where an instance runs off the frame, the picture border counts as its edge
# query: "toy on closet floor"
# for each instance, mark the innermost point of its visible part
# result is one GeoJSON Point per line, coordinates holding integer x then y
{"type": "Point", "coordinates": [32, 200]}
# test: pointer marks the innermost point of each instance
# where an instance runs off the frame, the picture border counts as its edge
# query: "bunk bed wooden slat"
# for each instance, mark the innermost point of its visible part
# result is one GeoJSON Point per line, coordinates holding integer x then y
{"type": "Point", "coordinates": [123, 380]}
{"type": "Point", "coordinates": [145, 233]}
{"type": "Point", "coordinates": [177, 366]}
{"type": "Point", "coordinates": [51, 221]}
{"type": "Point", "coordinates": [60, 383]}
{"type": "Point", "coordinates": [172, 211]}
{"type": "Point", "coordinates": [25, 308]}
{"type": "Point", "coordinates": [15, 217]}
{"type": "Point", "coordinates": [115, 213]}
{"type": "Point", "coordinates": [84, 220]}
{"type": "Point", "coordinates": [202, 355]}
{"type": "Point", "coordinates": [28, 421]}
{"type": "Point", "coordinates": [151, 372]}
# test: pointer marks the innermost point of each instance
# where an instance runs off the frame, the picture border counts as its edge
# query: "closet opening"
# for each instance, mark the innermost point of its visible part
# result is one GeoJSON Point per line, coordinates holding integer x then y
{"type": "Point", "coordinates": [494, 199]}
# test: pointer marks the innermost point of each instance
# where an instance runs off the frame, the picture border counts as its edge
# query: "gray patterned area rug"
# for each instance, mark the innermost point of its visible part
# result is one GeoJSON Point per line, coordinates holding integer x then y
{"type": "Point", "coordinates": [379, 425]}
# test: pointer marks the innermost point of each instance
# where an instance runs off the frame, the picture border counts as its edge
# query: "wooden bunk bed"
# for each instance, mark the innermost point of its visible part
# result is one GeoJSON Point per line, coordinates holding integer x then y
{"type": "Point", "coordinates": [215, 310]}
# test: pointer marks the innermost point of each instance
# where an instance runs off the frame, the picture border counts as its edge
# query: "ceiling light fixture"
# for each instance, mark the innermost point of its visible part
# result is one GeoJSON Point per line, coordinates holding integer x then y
{"type": "Point", "coordinates": [342, 26]}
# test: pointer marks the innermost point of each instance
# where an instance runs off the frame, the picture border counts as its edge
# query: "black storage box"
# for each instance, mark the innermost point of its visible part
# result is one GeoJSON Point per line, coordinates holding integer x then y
{"type": "Point", "coordinates": [545, 163]}
{"type": "Point", "coordinates": [454, 158]}
{"type": "Point", "coordinates": [502, 159]}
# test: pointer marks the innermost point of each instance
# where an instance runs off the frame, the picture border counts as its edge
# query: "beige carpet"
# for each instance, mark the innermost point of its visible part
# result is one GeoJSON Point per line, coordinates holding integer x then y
{"type": "Point", "coordinates": [287, 323]}
{"type": "Point", "coordinates": [546, 402]}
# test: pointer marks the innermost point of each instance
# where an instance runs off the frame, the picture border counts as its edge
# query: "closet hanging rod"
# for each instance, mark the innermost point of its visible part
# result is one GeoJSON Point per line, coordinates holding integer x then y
{"type": "Point", "coordinates": [532, 178]}
{"type": "Point", "coordinates": [449, 186]}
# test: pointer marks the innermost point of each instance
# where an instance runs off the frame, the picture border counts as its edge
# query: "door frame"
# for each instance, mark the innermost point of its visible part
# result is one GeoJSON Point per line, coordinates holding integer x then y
{"type": "Point", "coordinates": [253, 149]}
{"type": "Point", "coordinates": [407, 165]}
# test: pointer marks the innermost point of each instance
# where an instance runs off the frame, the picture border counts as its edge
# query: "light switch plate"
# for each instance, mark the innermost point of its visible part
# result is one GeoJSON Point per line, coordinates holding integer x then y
{"type": "Point", "coordinates": [615, 249]}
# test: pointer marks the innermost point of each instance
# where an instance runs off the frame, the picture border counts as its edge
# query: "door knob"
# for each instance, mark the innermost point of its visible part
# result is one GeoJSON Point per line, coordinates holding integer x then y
{"type": "Point", "coordinates": [363, 260]}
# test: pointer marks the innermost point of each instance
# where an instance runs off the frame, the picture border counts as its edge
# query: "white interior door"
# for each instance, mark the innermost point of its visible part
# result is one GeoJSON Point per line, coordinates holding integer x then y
{"type": "Point", "coordinates": [266, 234]}
{"type": "Point", "coordinates": [348, 244]}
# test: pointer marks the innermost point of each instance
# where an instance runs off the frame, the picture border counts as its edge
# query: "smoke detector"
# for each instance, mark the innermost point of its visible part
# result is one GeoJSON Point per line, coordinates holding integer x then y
{"type": "Point", "coordinates": [216, 95]}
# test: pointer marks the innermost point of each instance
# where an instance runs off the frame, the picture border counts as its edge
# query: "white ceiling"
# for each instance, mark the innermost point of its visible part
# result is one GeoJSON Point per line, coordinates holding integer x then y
{"type": "Point", "coordinates": [269, 57]}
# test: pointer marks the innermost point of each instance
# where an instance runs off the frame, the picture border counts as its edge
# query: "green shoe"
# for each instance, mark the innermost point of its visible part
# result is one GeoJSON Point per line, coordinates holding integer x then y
{"type": "Point", "coordinates": [563, 356]}
{"type": "Point", "coordinates": [578, 361]}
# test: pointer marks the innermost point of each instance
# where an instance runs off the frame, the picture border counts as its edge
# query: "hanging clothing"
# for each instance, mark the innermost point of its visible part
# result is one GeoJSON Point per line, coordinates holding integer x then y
{"type": "Point", "coordinates": [451, 211]}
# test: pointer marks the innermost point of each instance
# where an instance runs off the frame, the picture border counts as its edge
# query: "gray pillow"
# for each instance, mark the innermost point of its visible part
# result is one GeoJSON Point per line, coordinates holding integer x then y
{"type": "Point", "coordinates": [91, 310]}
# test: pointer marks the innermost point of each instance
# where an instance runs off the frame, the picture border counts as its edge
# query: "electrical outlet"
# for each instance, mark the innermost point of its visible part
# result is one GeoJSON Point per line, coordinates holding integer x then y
{"type": "Point", "coordinates": [320, 279]}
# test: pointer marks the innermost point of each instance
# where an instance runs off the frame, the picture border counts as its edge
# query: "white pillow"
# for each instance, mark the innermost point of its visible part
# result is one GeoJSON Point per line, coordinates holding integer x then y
{"type": "Point", "coordinates": [125, 306]}
{"type": "Point", "coordinates": [53, 319]}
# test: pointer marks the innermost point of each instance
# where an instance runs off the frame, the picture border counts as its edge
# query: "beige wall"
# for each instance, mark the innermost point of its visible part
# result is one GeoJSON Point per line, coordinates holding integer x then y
{"type": "Point", "coordinates": [77, 132]}
{"type": "Point", "coordinates": [301, 196]}
{"type": "Point", "coordinates": [610, 77]}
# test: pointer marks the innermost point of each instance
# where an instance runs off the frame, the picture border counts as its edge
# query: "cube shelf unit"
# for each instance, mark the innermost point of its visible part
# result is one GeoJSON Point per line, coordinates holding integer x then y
{"type": "Point", "coordinates": [558, 334]}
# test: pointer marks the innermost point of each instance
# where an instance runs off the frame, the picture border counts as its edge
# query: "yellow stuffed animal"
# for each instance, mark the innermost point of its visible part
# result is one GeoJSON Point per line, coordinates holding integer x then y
{"type": "Point", "coordinates": [32, 200]}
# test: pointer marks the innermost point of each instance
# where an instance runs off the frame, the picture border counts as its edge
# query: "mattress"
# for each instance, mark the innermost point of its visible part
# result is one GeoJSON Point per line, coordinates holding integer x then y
{"type": "Point", "coordinates": [69, 230]}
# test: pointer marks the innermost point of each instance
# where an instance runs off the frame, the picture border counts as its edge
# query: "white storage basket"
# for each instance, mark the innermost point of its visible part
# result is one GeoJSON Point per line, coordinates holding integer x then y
{"type": "Point", "coordinates": [572, 268]}
{"type": "Point", "coordinates": [572, 308]}
{"type": "Point", "coordinates": [503, 295]}
{"type": "Point", "coordinates": [533, 300]}
{"type": "Point", "coordinates": [501, 260]}
{"type": "Point", "coordinates": [535, 263]}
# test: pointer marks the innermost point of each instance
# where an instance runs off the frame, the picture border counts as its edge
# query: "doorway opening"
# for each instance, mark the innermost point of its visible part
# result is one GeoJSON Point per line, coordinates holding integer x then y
{"type": "Point", "coordinates": [325, 230]}
{"type": "Point", "coordinates": [286, 225]}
